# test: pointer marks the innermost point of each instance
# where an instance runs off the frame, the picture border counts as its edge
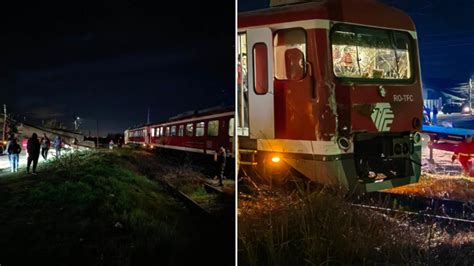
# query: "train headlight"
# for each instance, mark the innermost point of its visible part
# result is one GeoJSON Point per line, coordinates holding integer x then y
{"type": "Point", "coordinates": [344, 143]}
{"type": "Point", "coordinates": [417, 137]}
{"type": "Point", "coordinates": [276, 159]}
{"type": "Point", "coordinates": [466, 109]}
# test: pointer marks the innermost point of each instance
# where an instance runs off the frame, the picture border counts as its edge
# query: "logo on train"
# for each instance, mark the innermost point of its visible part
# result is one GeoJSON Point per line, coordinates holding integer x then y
{"type": "Point", "coordinates": [382, 116]}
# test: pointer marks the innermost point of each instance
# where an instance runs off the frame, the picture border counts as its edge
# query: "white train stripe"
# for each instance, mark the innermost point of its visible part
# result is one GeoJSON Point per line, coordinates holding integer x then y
{"type": "Point", "coordinates": [301, 146]}
{"type": "Point", "coordinates": [180, 148]}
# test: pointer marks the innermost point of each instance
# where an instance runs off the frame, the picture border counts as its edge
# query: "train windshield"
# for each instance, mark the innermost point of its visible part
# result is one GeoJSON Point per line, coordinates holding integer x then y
{"type": "Point", "coordinates": [371, 53]}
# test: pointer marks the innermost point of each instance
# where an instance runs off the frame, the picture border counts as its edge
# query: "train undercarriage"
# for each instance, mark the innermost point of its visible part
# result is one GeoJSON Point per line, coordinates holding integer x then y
{"type": "Point", "coordinates": [375, 162]}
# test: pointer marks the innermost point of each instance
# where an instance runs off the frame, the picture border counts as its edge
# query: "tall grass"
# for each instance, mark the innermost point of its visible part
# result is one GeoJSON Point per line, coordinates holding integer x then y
{"type": "Point", "coordinates": [322, 228]}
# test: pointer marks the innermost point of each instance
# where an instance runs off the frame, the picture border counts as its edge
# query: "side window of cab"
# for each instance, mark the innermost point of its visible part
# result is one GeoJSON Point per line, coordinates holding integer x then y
{"type": "Point", "coordinates": [290, 54]}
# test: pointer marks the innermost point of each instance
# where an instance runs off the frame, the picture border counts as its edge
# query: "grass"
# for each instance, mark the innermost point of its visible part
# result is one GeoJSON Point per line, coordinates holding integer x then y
{"type": "Point", "coordinates": [440, 186]}
{"type": "Point", "coordinates": [92, 208]}
{"type": "Point", "coordinates": [321, 228]}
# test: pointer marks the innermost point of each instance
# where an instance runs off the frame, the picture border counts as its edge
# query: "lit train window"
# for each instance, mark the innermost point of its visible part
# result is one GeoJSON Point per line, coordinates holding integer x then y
{"type": "Point", "coordinates": [200, 129]}
{"type": "Point", "coordinates": [161, 131]}
{"type": "Point", "coordinates": [181, 130]}
{"type": "Point", "coordinates": [231, 127]}
{"type": "Point", "coordinates": [167, 133]}
{"type": "Point", "coordinates": [213, 128]}
{"type": "Point", "coordinates": [189, 129]}
{"type": "Point", "coordinates": [152, 132]}
{"type": "Point", "coordinates": [290, 54]}
{"type": "Point", "coordinates": [157, 131]}
{"type": "Point", "coordinates": [173, 131]}
{"type": "Point", "coordinates": [371, 53]}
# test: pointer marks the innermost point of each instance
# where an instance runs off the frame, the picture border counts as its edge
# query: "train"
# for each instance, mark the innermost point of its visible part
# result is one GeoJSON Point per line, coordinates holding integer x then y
{"type": "Point", "coordinates": [330, 90]}
{"type": "Point", "coordinates": [197, 131]}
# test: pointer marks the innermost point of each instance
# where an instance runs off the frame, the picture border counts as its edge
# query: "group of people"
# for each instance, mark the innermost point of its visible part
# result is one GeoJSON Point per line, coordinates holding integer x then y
{"type": "Point", "coordinates": [427, 118]}
{"type": "Point", "coordinates": [34, 148]}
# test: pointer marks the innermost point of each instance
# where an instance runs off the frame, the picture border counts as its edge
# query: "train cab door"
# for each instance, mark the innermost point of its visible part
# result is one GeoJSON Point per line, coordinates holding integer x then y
{"type": "Point", "coordinates": [259, 78]}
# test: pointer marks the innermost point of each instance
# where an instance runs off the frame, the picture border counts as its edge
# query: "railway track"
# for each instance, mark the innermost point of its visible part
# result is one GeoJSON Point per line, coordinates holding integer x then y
{"type": "Point", "coordinates": [220, 200]}
{"type": "Point", "coordinates": [191, 204]}
{"type": "Point", "coordinates": [443, 211]}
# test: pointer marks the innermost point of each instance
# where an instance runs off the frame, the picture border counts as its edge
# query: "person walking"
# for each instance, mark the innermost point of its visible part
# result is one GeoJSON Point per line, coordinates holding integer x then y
{"type": "Point", "coordinates": [111, 144]}
{"type": "Point", "coordinates": [45, 144]}
{"type": "Point", "coordinates": [9, 140]}
{"type": "Point", "coordinates": [464, 153]}
{"type": "Point", "coordinates": [58, 143]}
{"type": "Point", "coordinates": [33, 149]}
{"type": "Point", "coordinates": [220, 159]}
{"type": "Point", "coordinates": [14, 150]}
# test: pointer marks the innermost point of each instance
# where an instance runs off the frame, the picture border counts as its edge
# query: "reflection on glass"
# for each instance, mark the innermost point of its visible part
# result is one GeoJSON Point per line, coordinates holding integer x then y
{"type": "Point", "coordinates": [360, 52]}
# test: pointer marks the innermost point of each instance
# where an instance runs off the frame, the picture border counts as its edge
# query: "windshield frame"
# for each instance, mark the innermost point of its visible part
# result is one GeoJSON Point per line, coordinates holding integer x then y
{"type": "Point", "coordinates": [361, 80]}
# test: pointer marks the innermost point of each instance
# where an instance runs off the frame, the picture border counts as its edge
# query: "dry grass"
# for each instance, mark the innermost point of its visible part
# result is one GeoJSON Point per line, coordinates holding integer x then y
{"type": "Point", "coordinates": [321, 228]}
{"type": "Point", "coordinates": [440, 186]}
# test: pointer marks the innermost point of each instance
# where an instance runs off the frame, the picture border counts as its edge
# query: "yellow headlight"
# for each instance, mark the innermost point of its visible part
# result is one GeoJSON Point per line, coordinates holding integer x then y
{"type": "Point", "coordinates": [276, 159]}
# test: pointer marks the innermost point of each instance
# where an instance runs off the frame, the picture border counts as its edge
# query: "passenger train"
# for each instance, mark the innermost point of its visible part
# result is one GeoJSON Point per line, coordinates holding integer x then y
{"type": "Point", "coordinates": [331, 89]}
{"type": "Point", "coordinates": [201, 131]}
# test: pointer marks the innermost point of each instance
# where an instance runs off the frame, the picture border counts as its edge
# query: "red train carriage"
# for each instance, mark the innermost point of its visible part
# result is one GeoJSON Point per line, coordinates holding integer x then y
{"type": "Point", "coordinates": [201, 131]}
{"type": "Point", "coordinates": [331, 88]}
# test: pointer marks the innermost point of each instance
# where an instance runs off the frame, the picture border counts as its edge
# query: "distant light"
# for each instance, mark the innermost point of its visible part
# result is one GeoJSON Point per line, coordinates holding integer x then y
{"type": "Point", "coordinates": [276, 159]}
{"type": "Point", "coordinates": [466, 109]}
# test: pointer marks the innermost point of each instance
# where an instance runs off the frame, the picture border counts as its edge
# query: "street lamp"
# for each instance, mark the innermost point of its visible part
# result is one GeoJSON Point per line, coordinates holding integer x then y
{"type": "Point", "coordinates": [79, 120]}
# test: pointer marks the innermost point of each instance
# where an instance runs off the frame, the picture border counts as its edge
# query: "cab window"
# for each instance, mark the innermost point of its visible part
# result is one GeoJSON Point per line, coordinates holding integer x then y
{"type": "Point", "coordinates": [290, 54]}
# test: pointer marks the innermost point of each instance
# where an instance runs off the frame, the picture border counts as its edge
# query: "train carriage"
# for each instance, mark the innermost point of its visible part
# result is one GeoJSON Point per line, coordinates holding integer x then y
{"type": "Point", "coordinates": [332, 89]}
{"type": "Point", "coordinates": [202, 131]}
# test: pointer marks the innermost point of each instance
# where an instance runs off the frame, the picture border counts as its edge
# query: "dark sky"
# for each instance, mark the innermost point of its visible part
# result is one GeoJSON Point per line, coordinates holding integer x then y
{"type": "Point", "coordinates": [109, 60]}
{"type": "Point", "coordinates": [446, 39]}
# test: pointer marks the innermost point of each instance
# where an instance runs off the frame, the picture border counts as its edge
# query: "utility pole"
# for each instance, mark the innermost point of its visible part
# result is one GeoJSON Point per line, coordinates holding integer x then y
{"type": "Point", "coordinates": [4, 122]}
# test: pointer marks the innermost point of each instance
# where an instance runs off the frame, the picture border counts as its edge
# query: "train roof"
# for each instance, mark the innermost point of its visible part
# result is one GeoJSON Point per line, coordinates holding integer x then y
{"type": "Point", "coordinates": [366, 12]}
{"type": "Point", "coordinates": [191, 114]}
{"type": "Point", "coordinates": [202, 112]}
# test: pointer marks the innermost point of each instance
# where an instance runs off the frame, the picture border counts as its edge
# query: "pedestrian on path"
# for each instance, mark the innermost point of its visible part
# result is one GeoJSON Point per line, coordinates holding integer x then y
{"type": "Point", "coordinates": [58, 143]}
{"type": "Point", "coordinates": [220, 159]}
{"type": "Point", "coordinates": [14, 150]}
{"type": "Point", "coordinates": [111, 144]}
{"type": "Point", "coordinates": [33, 149]}
{"type": "Point", "coordinates": [45, 144]}
{"type": "Point", "coordinates": [9, 140]}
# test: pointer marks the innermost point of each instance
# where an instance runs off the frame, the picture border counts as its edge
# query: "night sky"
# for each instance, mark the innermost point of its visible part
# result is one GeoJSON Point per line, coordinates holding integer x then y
{"type": "Point", "coordinates": [111, 60]}
{"type": "Point", "coordinates": [446, 40]}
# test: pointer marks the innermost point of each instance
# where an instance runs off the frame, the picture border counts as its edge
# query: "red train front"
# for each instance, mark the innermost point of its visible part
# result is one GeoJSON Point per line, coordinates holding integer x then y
{"type": "Point", "coordinates": [331, 89]}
